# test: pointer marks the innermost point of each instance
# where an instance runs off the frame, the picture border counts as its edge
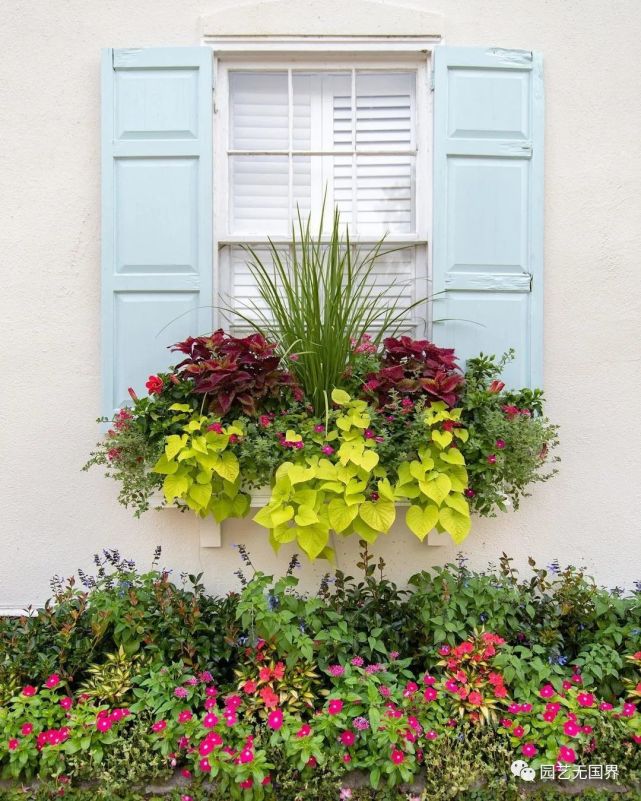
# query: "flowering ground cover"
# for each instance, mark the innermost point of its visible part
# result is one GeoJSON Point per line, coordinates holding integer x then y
{"type": "Point", "coordinates": [127, 678]}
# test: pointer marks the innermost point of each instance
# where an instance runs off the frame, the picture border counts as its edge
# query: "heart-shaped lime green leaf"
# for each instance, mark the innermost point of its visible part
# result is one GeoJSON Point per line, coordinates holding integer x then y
{"type": "Point", "coordinates": [421, 521]}
{"type": "Point", "coordinates": [378, 515]}
{"type": "Point", "coordinates": [175, 486]}
{"type": "Point", "coordinates": [457, 525]}
{"type": "Point", "coordinates": [312, 539]}
{"type": "Point", "coordinates": [340, 397]}
{"type": "Point", "coordinates": [340, 514]}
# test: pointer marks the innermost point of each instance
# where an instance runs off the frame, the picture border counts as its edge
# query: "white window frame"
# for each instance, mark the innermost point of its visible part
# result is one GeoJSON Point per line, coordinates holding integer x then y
{"type": "Point", "coordinates": [311, 53]}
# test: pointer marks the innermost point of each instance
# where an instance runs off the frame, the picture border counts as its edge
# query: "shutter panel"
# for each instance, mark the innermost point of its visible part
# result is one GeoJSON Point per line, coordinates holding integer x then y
{"type": "Point", "coordinates": [488, 205]}
{"type": "Point", "coordinates": [157, 210]}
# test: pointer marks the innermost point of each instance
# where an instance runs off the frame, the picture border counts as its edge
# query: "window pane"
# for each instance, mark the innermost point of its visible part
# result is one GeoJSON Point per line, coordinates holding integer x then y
{"type": "Point", "coordinates": [259, 187]}
{"type": "Point", "coordinates": [259, 111]}
{"type": "Point", "coordinates": [384, 110]}
{"type": "Point", "coordinates": [385, 195]}
{"type": "Point", "coordinates": [319, 98]}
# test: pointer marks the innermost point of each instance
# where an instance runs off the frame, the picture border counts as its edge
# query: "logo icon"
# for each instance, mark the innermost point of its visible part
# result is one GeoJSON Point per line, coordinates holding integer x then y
{"type": "Point", "coordinates": [520, 768]}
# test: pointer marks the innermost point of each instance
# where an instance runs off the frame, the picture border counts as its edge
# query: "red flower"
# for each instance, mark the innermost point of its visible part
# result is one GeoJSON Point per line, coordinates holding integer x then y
{"type": "Point", "coordinates": [269, 697]}
{"type": "Point", "coordinates": [347, 738]}
{"type": "Point", "coordinates": [29, 691]}
{"type": "Point", "coordinates": [249, 687]}
{"type": "Point", "coordinates": [475, 698]}
{"type": "Point", "coordinates": [495, 387]}
{"type": "Point", "coordinates": [26, 729]}
{"type": "Point", "coordinates": [13, 744]}
{"type": "Point", "coordinates": [155, 385]}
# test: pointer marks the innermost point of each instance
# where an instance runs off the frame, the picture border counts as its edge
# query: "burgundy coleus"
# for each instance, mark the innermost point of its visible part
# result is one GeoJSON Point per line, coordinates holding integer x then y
{"type": "Point", "coordinates": [235, 372]}
{"type": "Point", "coordinates": [415, 367]}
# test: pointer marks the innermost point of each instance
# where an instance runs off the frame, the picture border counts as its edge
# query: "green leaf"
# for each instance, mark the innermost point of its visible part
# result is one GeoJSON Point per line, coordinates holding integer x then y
{"type": "Point", "coordinates": [221, 508]}
{"type": "Point", "coordinates": [264, 517]}
{"type": "Point", "coordinates": [175, 486]}
{"type": "Point", "coordinates": [369, 460]}
{"type": "Point", "coordinates": [378, 515]}
{"type": "Point", "coordinates": [421, 521]}
{"type": "Point", "coordinates": [340, 514]}
{"type": "Point", "coordinates": [240, 505]}
{"type": "Point", "coordinates": [174, 444]}
{"type": "Point", "coordinates": [340, 397]}
{"type": "Point", "coordinates": [312, 539]}
{"type": "Point", "coordinates": [180, 407]}
{"type": "Point", "coordinates": [457, 525]}
{"type": "Point", "coordinates": [364, 531]}
{"type": "Point", "coordinates": [459, 503]}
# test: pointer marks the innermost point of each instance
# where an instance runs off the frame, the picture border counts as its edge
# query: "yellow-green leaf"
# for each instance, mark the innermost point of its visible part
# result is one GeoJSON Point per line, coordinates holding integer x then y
{"type": "Point", "coordinates": [369, 460]}
{"type": "Point", "coordinates": [221, 508]}
{"type": "Point", "coordinates": [459, 503]}
{"type": "Point", "coordinates": [240, 505]}
{"type": "Point", "coordinates": [174, 444]}
{"type": "Point", "coordinates": [175, 486]}
{"type": "Point", "coordinates": [312, 539]}
{"type": "Point", "coordinates": [200, 494]}
{"type": "Point", "coordinates": [264, 517]}
{"type": "Point", "coordinates": [452, 456]}
{"type": "Point", "coordinates": [442, 438]}
{"type": "Point", "coordinates": [457, 525]}
{"type": "Point", "coordinates": [364, 531]}
{"type": "Point", "coordinates": [227, 466]}
{"type": "Point", "coordinates": [421, 521]}
{"type": "Point", "coordinates": [437, 488]}
{"type": "Point", "coordinates": [164, 466]}
{"type": "Point", "coordinates": [281, 515]}
{"type": "Point", "coordinates": [179, 407]}
{"type": "Point", "coordinates": [305, 516]}
{"type": "Point", "coordinates": [340, 397]}
{"type": "Point", "coordinates": [340, 514]}
{"type": "Point", "coordinates": [379, 515]}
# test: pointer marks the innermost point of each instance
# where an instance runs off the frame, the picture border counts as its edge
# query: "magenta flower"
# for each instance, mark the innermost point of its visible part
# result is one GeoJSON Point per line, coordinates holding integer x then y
{"type": "Point", "coordinates": [210, 720]}
{"type": "Point", "coordinates": [66, 703]}
{"type": "Point", "coordinates": [319, 428]}
{"type": "Point", "coordinates": [397, 756]}
{"type": "Point", "coordinates": [159, 725]}
{"type": "Point", "coordinates": [29, 691]}
{"type": "Point", "coordinates": [358, 661]}
{"type": "Point", "coordinates": [335, 706]}
{"type": "Point", "coordinates": [275, 719]}
{"type": "Point", "coordinates": [13, 744]}
{"type": "Point", "coordinates": [304, 731]}
{"type": "Point", "coordinates": [566, 754]}
{"type": "Point", "coordinates": [246, 756]}
{"type": "Point", "coordinates": [500, 444]}
{"type": "Point", "coordinates": [104, 723]}
{"type": "Point", "coordinates": [26, 729]}
{"type": "Point", "coordinates": [204, 765]}
{"type": "Point", "coordinates": [529, 750]}
{"type": "Point", "coordinates": [347, 738]}
{"type": "Point", "coordinates": [184, 716]}
{"type": "Point", "coordinates": [360, 723]}
{"type": "Point", "coordinates": [327, 450]}
{"type": "Point", "coordinates": [518, 731]}
{"type": "Point", "coordinates": [585, 699]}
{"type": "Point", "coordinates": [570, 728]}
{"type": "Point", "coordinates": [547, 691]}
{"type": "Point", "coordinates": [180, 692]}
{"type": "Point", "coordinates": [430, 694]}
{"type": "Point", "coordinates": [336, 670]}
{"type": "Point", "coordinates": [491, 459]}
{"type": "Point", "coordinates": [431, 735]}
{"type": "Point", "coordinates": [52, 681]}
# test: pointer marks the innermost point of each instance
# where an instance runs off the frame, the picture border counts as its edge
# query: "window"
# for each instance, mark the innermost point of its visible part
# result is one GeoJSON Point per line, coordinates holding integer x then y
{"type": "Point", "coordinates": [289, 134]}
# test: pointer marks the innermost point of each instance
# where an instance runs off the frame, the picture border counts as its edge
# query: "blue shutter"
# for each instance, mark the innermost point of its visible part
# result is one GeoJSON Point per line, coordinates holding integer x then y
{"type": "Point", "coordinates": [157, 121]}
{"type": "Point", "coordinates": [487, 258]}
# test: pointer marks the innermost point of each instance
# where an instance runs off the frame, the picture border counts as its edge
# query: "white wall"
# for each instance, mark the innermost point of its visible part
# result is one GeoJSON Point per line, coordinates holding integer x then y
{"type": "Point", "coordinates": [53, 517]}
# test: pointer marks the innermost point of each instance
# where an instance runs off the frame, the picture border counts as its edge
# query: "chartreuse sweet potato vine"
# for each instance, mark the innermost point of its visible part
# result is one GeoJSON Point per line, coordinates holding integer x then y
{"type": "Point", "coordinates": [198, 468]}
{"type": "Point", "coordinates": [354, 494]}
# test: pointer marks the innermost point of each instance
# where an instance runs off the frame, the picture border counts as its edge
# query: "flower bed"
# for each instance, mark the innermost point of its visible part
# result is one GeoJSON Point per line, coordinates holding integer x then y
{"type": "Point", "coordinates": [274, 694]}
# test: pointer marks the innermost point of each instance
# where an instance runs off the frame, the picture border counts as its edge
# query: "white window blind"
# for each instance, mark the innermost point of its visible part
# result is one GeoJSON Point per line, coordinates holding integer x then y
{"type": "Point", "coordinates": [295, 136]}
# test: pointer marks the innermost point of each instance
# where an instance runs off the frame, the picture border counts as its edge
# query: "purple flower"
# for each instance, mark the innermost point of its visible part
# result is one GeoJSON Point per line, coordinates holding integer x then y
{"type": "Point", "coordinates": [180, 692]}
{"type": "Point", "coordinates": [336, 670]}
{"type": "Point", "coordinates": [361, 723]}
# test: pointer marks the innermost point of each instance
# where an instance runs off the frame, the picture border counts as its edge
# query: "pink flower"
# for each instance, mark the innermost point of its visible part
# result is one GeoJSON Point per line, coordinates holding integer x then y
{"type": "Point", "coordinates": [500, 444]}
{"type": "Point", "coordinates": [180, 692]}
{"type": "Point", "coordinates": [104, 723]}
{"type": "Point", "coordinates": [319, 428]}
{"type": "Point", "coordinates": [430, 694]}
{"type": "Point", "coordinates": [304, 731]}
{"type": "Point", "coordinates": [628, 710]}
{"type": "Point", "coordinates": [247, 784]}
{"type": "Point", "coordinates": [444, 650]}
{"type": "Point", "coordinates": [360, 723]}
{"type": "Point", "coordinates": [66, 703]}
{"type": "Point", "coordinates": [335, 706]}
{"type": "Point", "coordinates": [491, 459]}
{"type": "Point", "coordinates": [211, 692]}
{"type": "Point", "coordinates": [431, 735]}
{"type": "Point", "coordinates": [397, 756]}
{"type": "Point", "coordinates": [159, 725]}
{"type": "Point", "coordinates": [204, 765]}
{"type": "Point", "coordinates": [576, 678]}
{"type": "Point", "coordinates": [469, 492]}
{"type": "Point", "coordinates": [184, 716]}
{"type": "Point", "coordinates": [358, 661]}
{"type": "Point", "coordinates": [52, 681]}
{"type": "Point", "coordinates": [26, 729]}
{"type": "Point", "coordinates": [347, 738]}
{"type": "Point", "coordinates": [528, 750]}
{"type": "Point", "coordinates": [518, 731]}
{"type": "Point", "coordinates": [428, 680]}
{"type": "Point", "coordinates": [475, 698]}
{"type": "Point", "coordinates": [347, 758]}
{"type": "Point", "coordinates": [264, 421]}
{"type": "Point", "coordinates": [547, 691]}
{"type": "Point", "coordinates": [451, 686]}
{"type": "Point", "coordinates": [233, 702]}
{"type": "Point", "coordinates": [210, 720]}
{"type": "Point", "coordinates": [13, 744]}
{"type": "Point", "coordinates": [495, 387]}
{"type": "Point", "coordinates": [336, 670]}
{"type": "Point", "coordinates": [275, 719]}
{"type": "Point", "coordinates": [410, 688]}
{"type": "Point", "coordinates": [585, 699]}
{"type": "Point", "coordinates": [216, 428]}
{"type": "Point", "coordinates": [29, 690]}
{"type": "Point", "coordinates": [605, 706]}
{"type": "Point", "coordinates": [327, 450]}
{"type": "Point", "coordinates": [566, 754]}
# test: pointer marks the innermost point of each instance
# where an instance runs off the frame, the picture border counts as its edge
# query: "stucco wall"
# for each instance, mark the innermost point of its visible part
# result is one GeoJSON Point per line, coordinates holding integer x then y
{"type": "Point", "coordinates": [53, 517]}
